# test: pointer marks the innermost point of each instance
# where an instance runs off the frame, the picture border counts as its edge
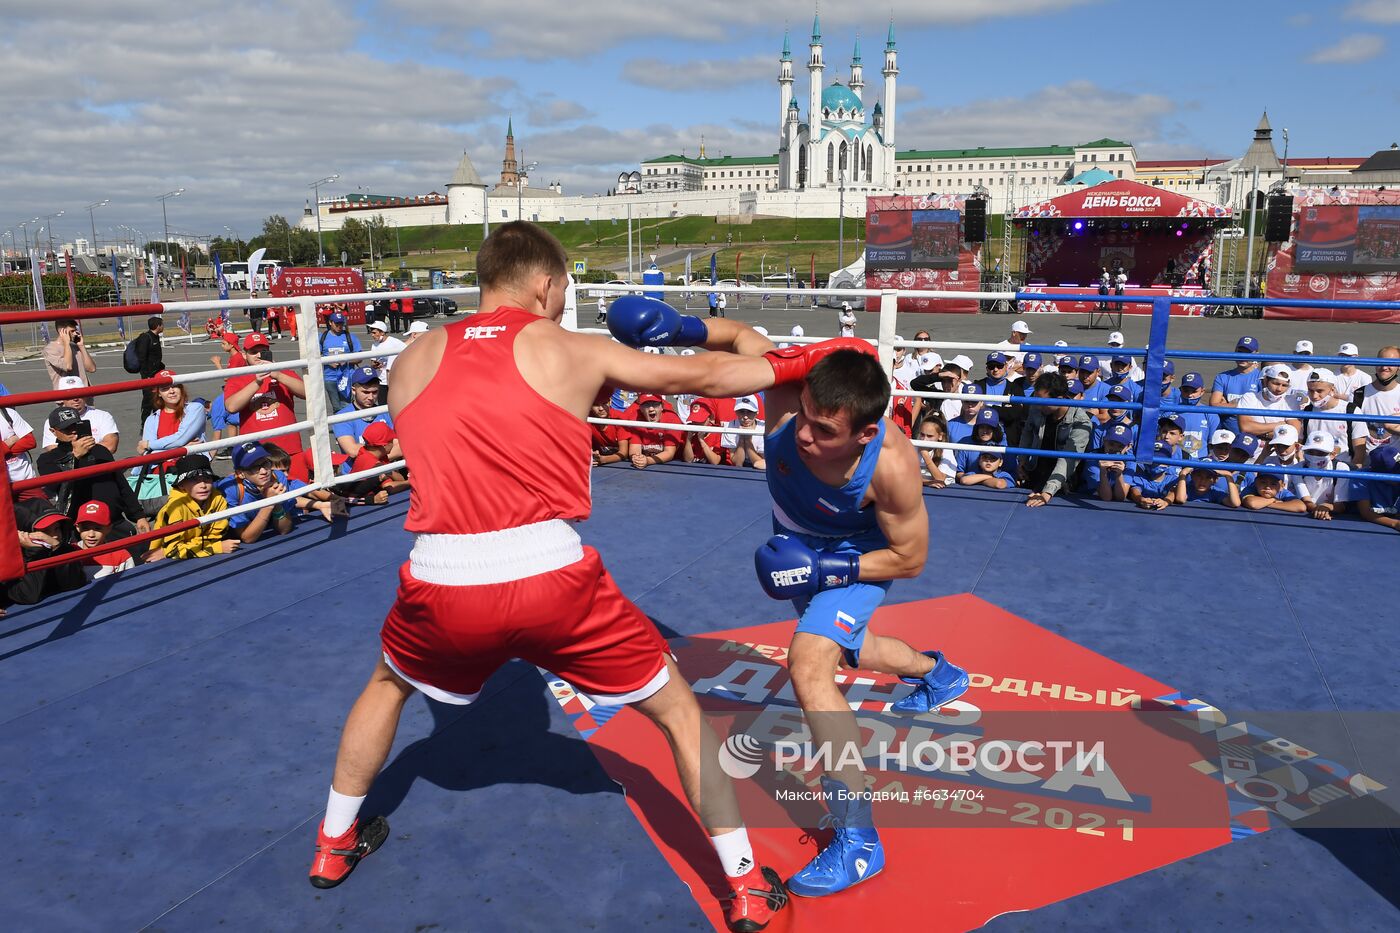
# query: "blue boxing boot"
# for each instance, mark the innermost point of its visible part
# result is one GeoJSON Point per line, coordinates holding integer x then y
{"type": "Point", "coordinates": [942, 685]}
{"type": "Point", "coordinates": [854, 853]}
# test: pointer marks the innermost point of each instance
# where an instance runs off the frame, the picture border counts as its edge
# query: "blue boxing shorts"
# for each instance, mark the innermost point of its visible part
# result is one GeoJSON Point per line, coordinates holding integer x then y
{"type": "Point", "coordinates": [841, 614]}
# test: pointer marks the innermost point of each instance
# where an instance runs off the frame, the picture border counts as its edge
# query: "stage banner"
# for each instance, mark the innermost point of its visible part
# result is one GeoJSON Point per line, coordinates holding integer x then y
{"type": "Point", "coordinates": [914, 242]}
{"type": "Point", "coordinates": [315, 280]}
{"type": "Point", "coordinates": [1121, 199]}
{"type": "Point", "coordinates": [1320, 214]}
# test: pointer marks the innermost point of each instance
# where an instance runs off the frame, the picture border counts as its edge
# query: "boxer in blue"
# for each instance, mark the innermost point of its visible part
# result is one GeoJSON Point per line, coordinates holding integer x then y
{"type": "Point", "coordinates": [849, 519]}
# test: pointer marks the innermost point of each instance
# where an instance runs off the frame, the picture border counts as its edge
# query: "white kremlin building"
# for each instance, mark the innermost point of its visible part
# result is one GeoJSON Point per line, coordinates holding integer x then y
{"type": "Point", "coordinates": [828, 161]}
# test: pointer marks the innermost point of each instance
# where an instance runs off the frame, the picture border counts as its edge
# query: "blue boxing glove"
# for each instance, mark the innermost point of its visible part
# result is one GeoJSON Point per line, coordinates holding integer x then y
{"type": "Point", "coordinates": [638, 321]}
{"type": "Point", "coordinates": [789, 569]}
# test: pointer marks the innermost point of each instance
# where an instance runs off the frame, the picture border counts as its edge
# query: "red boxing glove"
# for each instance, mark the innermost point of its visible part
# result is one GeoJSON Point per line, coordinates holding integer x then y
{"type": "Point", "coordinates": [791, 364]}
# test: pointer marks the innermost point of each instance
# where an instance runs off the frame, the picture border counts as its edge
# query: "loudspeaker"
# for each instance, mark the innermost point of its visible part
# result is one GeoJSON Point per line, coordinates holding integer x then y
{"type": "Point", "coordinates": [975, 220]}
{"type": "Point", "coordinates": [1280, 218]}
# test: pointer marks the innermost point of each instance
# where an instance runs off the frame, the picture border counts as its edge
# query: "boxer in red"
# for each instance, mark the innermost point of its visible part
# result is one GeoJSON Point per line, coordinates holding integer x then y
{"type": "Point", "coordinates": [496, 572]}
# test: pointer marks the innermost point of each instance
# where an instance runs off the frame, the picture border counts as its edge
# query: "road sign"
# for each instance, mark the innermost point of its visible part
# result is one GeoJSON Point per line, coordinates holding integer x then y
{"type": "Point", "coordinates": [580, 266]}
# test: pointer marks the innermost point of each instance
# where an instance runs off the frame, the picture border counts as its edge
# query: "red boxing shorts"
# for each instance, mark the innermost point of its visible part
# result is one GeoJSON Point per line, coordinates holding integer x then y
{"type": "Point", "coordinates": [532, 593]}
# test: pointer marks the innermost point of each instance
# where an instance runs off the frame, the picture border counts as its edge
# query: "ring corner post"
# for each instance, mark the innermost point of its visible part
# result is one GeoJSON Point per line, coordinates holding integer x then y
{"type": "Point", "coordinates": [318, 407]}
{"type": "Point", "coordinates": [1152, 377]}
{"type": "Point", "coordinates": [889, 309]}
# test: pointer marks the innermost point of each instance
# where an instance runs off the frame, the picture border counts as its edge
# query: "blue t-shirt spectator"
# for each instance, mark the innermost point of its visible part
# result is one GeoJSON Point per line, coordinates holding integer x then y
{"type": "Point", "coordinates": [1235, 385]}
{"type": "Point", "coordinates": [1217, 492]}
{"type": "Point", "coordinates": [1383, 496]}
{"type": "Point", "coordinates": [333, 344]}
{"type": "Point", "coordinates": [1157, 486]}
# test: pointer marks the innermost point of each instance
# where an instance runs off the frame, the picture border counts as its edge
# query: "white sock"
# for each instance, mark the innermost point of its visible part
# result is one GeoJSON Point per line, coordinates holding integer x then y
{"type": "Point", "coordinates": [734, 851]}
{"type": "Point", "coordinates": [340, 813]}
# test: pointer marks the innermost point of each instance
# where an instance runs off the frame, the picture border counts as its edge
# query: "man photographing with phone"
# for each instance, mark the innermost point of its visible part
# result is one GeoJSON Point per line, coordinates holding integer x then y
{"type": "Point", "coordinates": [66, 355]}
{"type": "Point", "coordinates": [77, 448]}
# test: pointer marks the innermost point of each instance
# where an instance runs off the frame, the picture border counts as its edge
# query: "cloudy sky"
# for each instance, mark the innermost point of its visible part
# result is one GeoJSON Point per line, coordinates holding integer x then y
{"type": "Point", "coordinates": [244, 105]}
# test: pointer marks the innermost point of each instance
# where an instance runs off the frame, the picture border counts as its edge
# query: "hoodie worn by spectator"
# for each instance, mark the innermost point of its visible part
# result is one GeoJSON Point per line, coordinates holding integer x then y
{"type": "Point", "coordinates": [44, 532]}
{"type": "Point", "coordinates": [1048, 476]}
{"type": "Point", "coordinates": [206, 540]}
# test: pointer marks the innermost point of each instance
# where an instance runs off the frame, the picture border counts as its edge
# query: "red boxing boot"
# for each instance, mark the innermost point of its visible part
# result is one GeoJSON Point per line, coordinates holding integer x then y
{"type": "Point", "coordinates": [791, 364]}
{"type": "Point", "coordinates": [337, 857]}
{"type": "Point", "coordinates": [756, 899]}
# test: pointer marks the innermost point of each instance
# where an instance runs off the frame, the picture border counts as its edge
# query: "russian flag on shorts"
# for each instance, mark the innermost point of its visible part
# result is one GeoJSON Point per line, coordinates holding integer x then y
{"type": "Point", "coordinates": [845, 623]}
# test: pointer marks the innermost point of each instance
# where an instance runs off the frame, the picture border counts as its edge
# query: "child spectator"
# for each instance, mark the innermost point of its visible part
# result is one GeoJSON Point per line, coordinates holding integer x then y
{"type": "Point", "coordinates": [336, 341]}
{"type": "Point", "coordinates": [1171, 429]}
{"type": "Point", "coordinates": [927, 381]}
{"type": "Point", "coordinates": [1324, 496]}
{"type": "Point", "coordinates": [254, 480]}
{"type": "Point", "coordinates": [700, 447]}
{"type": "Point", "coordinates": [230, 358]}
{"type": "Point", "coordinates": [1220, 441]}
{"type": "Point", "coordinates": [1168, 393]}
{"type": "Point", "coordinates": [845, 318]}
{"type": "Point", "coordinates": [745, 449]}
{"type": "Point", "coordinates": [1232, 386]}
{"type": "Point", "coordinates": [1196, 427]}
{"type": "Point", "coordinates": [986, 431]}
{"type": "Point", "coordinates": [1350, 380]}
{"type": "Point", "coordinates": [44, 531]}
{"type": "Point", "coordinates": [1121, 374]}
{"type": "Point", "coordinates": [1109, 478]}
{"type": "Point", "coordinates": [646, 446]}
{"type": "Point", "coordinates": [1202, 484]}
{"type": "Point", "coordinates": [1116, 416]}
{"type": "Point", "coordinates": [607, 444]}
{"type": "Point", "coordinates": [379, 448]}
{"type": "Point", "coordinates": [194, 497]}
{"type": "Point", "coordinates": [953, 374]}
{"type": "Point", "coordinates": [94, 526]}
{"type": "Point", "coordinates": [964, 413]}
{"type": "Point", "coordinates": [1153, 485]}
{"type": "Point", "coordinates": [1270, 492]}
{"type": "Point", "coordinates": [1275, 394]}
{"type": "Point", "coordinates": [1283, 448]}
{"type": "Point", "coordinates": [330, 505]}
{"type": "Point", "coordinates": [1323, 399]}
{"type": "Point", "coordinates": [937, 465]}
{"type": "Point", "coordinates": [988, 473]}
{"type": "Point", "coordinates": [1379, 500]}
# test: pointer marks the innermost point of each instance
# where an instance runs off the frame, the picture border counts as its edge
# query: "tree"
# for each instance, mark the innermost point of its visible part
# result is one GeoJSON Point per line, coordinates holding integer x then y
{"type": "Point", "coordinates": [353, 240]}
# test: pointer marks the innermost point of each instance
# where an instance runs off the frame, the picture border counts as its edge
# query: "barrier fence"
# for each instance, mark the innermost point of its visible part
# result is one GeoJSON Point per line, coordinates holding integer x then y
{"type": "Point", "coordinates": [319, 420]}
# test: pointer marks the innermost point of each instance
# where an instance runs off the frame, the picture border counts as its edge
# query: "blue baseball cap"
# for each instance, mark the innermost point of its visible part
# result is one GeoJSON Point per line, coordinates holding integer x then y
{"type": "Point", "coordinates": [1120, 393]}
{"type": "Point", "coordinates": [996, 356]}
{"type": "Point", "coordinates": [970, 388]}
{"type": "Point", "coordinates": [335, 317]}
{"type": "Point", "coordinates": [1121, 358]}
{"type": "Point", "coordinates": [1175, 421]}
{"type": "Point", "coordinates": [1168, 368]}
{"type": "Point", "coordinates": [1159, 449]}
{"type": "Point", "coordinates": [1032, 362]}
{"type": "Point", "coordinates": [1385, 459]}
{"type": "Point", "coordinates": [1193, 381]}
{"type": "Point", "coordinates": [245, 455]}
{"type": "Point", "coordinates": [1247, 344]}
{"type": "Point", "coordinates": [363, 374]}
{"type": "Point", "coordinates": [987, 416]}
{"type": "Point", "coordinates": [1064, 360]}
{"type": "Point", "coordinates": [1247, 443]}
{"type": "Point", "coordinates": [1121, 433]}
{"type": "Point", "coordinates": [1088, 363]}
{"type": "Point", "coordinates": [1075, 386]}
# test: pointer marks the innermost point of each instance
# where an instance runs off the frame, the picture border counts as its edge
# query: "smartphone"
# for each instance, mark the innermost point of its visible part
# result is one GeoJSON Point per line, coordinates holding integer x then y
{"type": "Point", "coordinates": [82, 429]}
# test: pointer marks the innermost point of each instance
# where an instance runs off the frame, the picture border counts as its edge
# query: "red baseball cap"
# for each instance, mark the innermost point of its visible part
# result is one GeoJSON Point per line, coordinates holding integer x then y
{"type": "Point", "coordinates": [96, 512]}
{"type": "Point", "coordinates": [164, 374]}
{"type": "Point", "coordinates": [701, 412]}
{"type": "Point", "coordinates": [254, 340]}
{"type": "Point", "coordinates": [53, 518]}
{"type": "Point", "coordinates": [229, 333]}
{"type": "Point", "coordinates": [650, 397]}
{"type": "Point", "coordinates": [379, 434]}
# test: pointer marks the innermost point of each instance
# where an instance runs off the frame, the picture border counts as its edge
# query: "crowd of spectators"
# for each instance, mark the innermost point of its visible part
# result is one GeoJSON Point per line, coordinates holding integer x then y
{"type": "Point", "coordinates": [1219, 450]}
{"type": "Point", "coordinates": [87, 512]}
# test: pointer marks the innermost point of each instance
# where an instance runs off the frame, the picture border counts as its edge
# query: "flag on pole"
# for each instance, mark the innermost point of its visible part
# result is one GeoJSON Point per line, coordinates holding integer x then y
{"type": "Point", "coordinates": [38, 278]}
{"type": "Point", "coordinates": [155, 279]}
{"type": "Point", "coordinates": [222, 282]}
{"type": "Point", "coordinates": [72, 282]}
{"type": "Point", "coordinates": [117, 286]}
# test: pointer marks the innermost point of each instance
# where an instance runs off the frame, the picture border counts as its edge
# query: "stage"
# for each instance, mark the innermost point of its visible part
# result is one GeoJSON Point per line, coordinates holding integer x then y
{"type": "Point", "coordinates": [1078, 304]}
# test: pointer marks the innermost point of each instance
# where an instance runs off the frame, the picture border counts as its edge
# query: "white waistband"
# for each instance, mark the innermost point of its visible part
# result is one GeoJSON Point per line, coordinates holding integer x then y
{"type": "Point", "coordinates": [494, 556]}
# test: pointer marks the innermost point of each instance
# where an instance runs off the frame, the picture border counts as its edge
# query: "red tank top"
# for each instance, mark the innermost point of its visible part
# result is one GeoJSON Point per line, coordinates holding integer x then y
{"type": "Point", "coordinates": [487, 451]}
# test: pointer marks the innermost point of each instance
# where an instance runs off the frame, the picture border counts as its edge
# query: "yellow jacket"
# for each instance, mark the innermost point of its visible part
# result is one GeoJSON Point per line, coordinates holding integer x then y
{"type": "Point", "coordinates": [201, 541]}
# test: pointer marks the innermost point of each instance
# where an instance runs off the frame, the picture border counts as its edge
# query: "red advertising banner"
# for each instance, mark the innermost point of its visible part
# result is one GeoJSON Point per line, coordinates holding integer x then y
{"type": "Point", "coordinates": [911, 221]}
{"type": "Point", "coordinates": [298, 282]}
{"type": "Point", "coordinates": [1285, 280]}
{"type": "Point", "coordinates": [1122, 199]}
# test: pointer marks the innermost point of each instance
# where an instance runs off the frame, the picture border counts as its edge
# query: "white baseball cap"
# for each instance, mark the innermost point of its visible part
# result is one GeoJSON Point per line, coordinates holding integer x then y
{"type": "Point", "coordinates": [1061, 343]}
{"type": "Point", "coordinates": [71, 382]}
{"type": "Point", "coordinates": [1348, 349]}
{"type": "Point", "coordinates": [746, 402]}
{"type": "Point", "coordinates": [379, 325]}
{"type": "Point", "coordinates": [961, 362]}
{"type": "Point", "coordinates": [1115, 339]}
{"type": "Point", "coordinates": [797, 331]}
{"type": "Point", "coordinates": [418, 327]}
{"type": "Point", "coordinates": [1303, 346]}
{"type": "Point", "coordinates": [1020, 327]}
{"type": "Point", "coordinates": [651, 349]}
{"type": "Point", "coordinates": [1277, 371]}
{"type": "Point", "coordinates": [1322, 375]}
{"type": "Point", "coordinates": [1284, 434]}
{"type": "Point", "coordinates": [1222, 436]}
{"type": "Point", "coordinates": [930, 361]}
{"type": "Point", "coordinates": [1321, 440]}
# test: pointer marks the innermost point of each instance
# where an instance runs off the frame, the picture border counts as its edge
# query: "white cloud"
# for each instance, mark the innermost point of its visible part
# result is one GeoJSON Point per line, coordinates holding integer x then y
{"type": "Point", "coordinates": [700, 75]}
{"type": "Point", "coordinates": [1066, 114]}
{"type": "Point", "coordinates": [548, 110]}
{"type": "Point", "coordinates": [541, 29]}
{"type": "Point", "coordinates": [1375, 11]}
{"type": "Point", "coordinates": [1349, 50]}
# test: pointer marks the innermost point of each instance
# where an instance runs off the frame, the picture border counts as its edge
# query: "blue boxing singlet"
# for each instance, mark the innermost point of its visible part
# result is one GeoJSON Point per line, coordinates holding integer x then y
{"type": "Point", "coordinates": [804, 505]}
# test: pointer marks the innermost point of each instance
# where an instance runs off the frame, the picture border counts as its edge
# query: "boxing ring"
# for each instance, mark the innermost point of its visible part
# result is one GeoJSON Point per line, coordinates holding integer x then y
{"type": "Point", "coordinates": [167, 732]}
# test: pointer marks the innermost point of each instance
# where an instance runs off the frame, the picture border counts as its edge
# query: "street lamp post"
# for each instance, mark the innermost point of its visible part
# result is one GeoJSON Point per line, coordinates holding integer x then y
{"type": "Point", "coordinates": [1285, 155]}
{"type": "Point", "coordinates": [165, 244]}
{"type": "Point", "coordinates": [520, 187]}
{"type": "Point", "coordinates": [51, 218]}
{"type": "Point", "coordinates": [315, 186]}
{"type": "Point", "coordinates": [237, 240]}
{"type": "Point", "coordinates": [93, 223]}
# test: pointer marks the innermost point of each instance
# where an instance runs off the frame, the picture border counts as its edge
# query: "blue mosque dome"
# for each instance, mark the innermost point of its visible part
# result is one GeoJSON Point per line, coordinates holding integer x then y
{"type": "Point", "coordinates": [839, 97]}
